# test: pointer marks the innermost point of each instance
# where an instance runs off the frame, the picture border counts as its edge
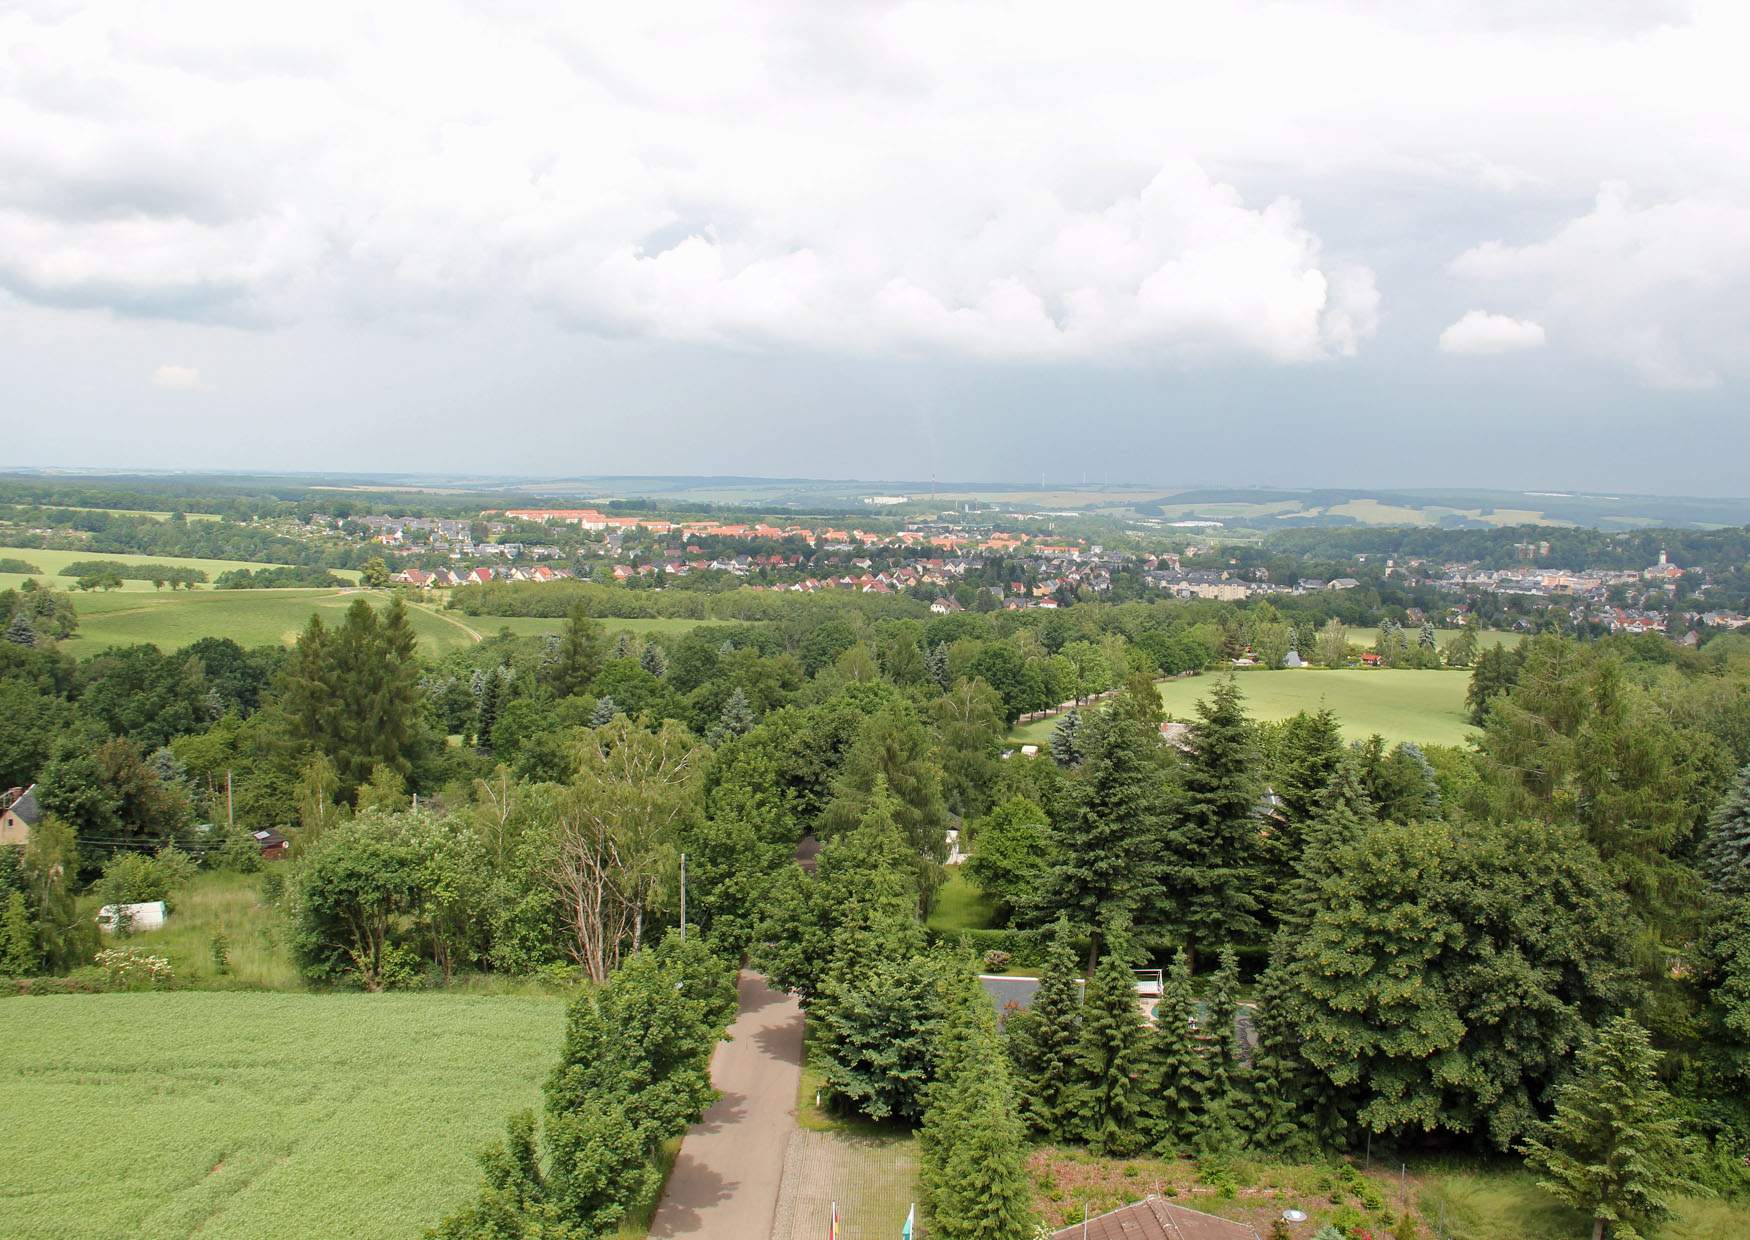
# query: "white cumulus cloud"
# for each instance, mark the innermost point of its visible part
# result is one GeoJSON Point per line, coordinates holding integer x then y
{"type": "Point", "coordinates": [1480, 332]}
{"type": "Point", "coordinates": [176, 378]}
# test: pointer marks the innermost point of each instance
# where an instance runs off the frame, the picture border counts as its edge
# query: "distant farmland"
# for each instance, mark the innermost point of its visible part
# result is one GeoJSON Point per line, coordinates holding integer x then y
{"type": "Point", "coordinates": [257, 1116]}
{"type": "Point", "coordinates": [1426, 707]}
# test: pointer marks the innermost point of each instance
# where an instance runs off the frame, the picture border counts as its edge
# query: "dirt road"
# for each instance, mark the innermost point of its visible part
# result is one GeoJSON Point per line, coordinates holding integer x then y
{"type": "Point", "coordinates": [725, 1182]}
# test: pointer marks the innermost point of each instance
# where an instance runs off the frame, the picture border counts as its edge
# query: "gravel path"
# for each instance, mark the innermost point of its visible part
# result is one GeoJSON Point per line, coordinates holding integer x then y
{"type": "Point", "coordinates": [725, 1182]}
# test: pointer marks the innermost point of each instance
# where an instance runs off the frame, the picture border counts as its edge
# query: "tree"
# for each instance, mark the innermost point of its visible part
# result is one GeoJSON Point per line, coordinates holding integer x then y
{"type": "Point", "coordinates": [653, 659]}
{"type": "Point", "coordinates": [579, 656]}
{"type": "Point", "coordinates": [615, 836]}
{"type": "Point", "coordinates": [1726, 857]}
{"type": "Point", "coordinates": [1461, 651]}
{"type": "Point", "coordinates": [971, 1144]}
{"type": "Point", "coordinates": [351, 891]}
{"type": "Point", "coordinates": [1614, 1149]}
{"type": "Point", "coordinates": [1456, 1008]}
{"type": "Point", "coordinates": [1175, 1098]}
{"type": "Point", "coordinates": [1221, 1059]}
{"type": "Point", "coordinates": [969, 726]}
{"type": "Point", "coordinates": [892, 746]}
{"type": "Point", "coordinates": [880, 1015]}
{"type": "Point", "coordinates": [375, 573]}
{"type": "Point", "coordinates": [1213, 847]}
{"type": "Point", "coordinates": [1111, 1054]}
{"type": "Point", "coordinates": [353, 693]}
{"type": "Point", "coordinates": [1105, 848]}
{"type": "Point", "coordinates": [1332, 647]}
{"type": "Point", "coordinates": [606, 711]}
{"type": "Point", "coordinates": [1066, 750]}
{"type": "Point", "coordinates": [1045, 1044]}
{"type": "Point", "coordinates": [1282, 1097]}
{"type": "Point", "coordinates": [19, 956]}
{"type": "Point", "coordinates": [1496, 672]}
{"type": "Point", "coordinates": [1011, 854]}
{"type": "Point", "coordinates": [20, 631]}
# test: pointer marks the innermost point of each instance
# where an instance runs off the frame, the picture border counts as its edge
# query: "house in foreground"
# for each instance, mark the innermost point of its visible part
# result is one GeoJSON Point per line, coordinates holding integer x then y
{"type": "Point", "coordinates": [1155, 1219]}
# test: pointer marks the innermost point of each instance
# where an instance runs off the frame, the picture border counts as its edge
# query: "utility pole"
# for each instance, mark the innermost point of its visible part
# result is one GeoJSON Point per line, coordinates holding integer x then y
{"type": "Point", "coordinates": [230, 814]}
{"type": "Point", "coordinates": [683, 897]}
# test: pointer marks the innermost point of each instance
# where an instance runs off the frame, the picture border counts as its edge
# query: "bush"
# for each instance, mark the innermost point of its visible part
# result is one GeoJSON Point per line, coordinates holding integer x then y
{"type": "Point", "coordinates": [1024, 948]}
{"type": "Point", "coordinates": [997, 961]}
{"type": "Point", "coordinates": [128, 968]}
{"type": "Point", "coordinates": [134, 878]}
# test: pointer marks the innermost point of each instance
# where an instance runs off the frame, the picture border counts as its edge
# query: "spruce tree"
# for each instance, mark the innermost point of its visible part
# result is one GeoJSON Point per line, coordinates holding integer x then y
{"type": "Point", "coordinates": [1174, 1061]}
{"type": "Point", "coordinates": [971, 1145]}
{"type": "Point", "coordinates": [1615, 1148]}
{"type": "Point", "coordinates": [1344, 810]}
{"type": "Point", "coordinates": [579, 656]}
{"type": "Point", "coordinates": [1111, 1055]}
{"type": "Point", "coordinates": [1212, 861]}
{"type": "Point", "coordinates": [1107, 847]}
{"type": "Point", "coordinates": [20, 632]}
{"type": "Point", "coordinates": [1220, 1059]}
{"type": "Point", "coordinates": [936, 665]}
{"type": "Point", "coordinates": [1064, 749]}
{"type": "Point", "coordinates": [486, 717]}
{"type": "Point", "coordinates": [1048, 1058]}
{"type": "Point", "coordinates": [1726, 859]}
{"type": "Point", "coordinates": [736, 718]}
{"type": "Point", "coordinates": [654, 660]}
{"type": "Point", "coordinates": [1282, 1092]}
{"type": "Point", "coordinates": [604, 712]}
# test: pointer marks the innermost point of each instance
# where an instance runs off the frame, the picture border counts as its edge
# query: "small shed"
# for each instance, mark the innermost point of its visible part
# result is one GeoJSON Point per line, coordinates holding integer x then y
{"type": "Point", "coordinates": [273, 845]}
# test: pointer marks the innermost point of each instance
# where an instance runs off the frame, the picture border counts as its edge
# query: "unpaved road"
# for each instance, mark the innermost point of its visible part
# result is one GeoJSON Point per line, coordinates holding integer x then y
{"type": "Point", "coordinates": [725, 1182]}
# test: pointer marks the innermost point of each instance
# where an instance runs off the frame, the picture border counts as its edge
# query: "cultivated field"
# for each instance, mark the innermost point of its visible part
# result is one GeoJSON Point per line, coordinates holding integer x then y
{"type": "Point", "coordinates": [1426, 707]}
{"type": "Point", "coordinates": [52, 562]}
{"type": "Point", "coordinates": [257, 1116]}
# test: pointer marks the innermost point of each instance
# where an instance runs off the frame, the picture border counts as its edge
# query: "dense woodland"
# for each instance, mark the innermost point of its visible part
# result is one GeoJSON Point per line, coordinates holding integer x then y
{"type": "Point", "coordinates": [1433, 948]}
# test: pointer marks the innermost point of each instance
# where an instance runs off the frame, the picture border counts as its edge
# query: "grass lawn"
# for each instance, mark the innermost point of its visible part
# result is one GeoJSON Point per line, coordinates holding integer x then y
{"type": "Point", "coordinates": [959, 905]}
{"type": "Point", "coordinates": [52, 562]}
{"type": "Point", "coordinates": [249, 617]}
{"type": "Point", "coordinates": [1508, 1205]}
{"type": "Point", "coordinates": [1426, 707]}
{"type": "Point", "coordinates": [252, 1116]}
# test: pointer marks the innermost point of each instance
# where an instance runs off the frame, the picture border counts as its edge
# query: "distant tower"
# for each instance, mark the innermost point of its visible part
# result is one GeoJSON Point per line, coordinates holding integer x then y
{"type": "Point", "coordinates": [1662, 560]}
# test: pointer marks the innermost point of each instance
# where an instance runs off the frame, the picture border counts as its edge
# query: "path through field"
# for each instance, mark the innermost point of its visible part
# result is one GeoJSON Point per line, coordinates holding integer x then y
{"type": "Point", "coordinates": [725, 1181]}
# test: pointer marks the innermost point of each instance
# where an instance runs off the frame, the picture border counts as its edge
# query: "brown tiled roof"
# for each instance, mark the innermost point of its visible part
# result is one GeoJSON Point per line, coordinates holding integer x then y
{"type": "Point", "coordinates": [1156, 1219]}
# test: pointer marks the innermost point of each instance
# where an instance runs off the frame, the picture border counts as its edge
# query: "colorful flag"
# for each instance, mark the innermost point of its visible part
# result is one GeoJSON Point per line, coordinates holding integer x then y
{"type": "Point", "coordinates": [910, 1218]}
{"type": "Point", "coordinates": [832, 1228]}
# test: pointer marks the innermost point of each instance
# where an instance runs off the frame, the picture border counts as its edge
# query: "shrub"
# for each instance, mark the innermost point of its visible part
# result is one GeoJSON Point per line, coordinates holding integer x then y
{"type": "Point", "coordinates": [129, 968]}
{"type": "Point", "coordinates": [996, 961]}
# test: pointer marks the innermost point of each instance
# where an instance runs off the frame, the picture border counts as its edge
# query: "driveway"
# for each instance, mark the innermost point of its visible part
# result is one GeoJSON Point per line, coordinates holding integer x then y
{"type": "Point", "coordinates": [725, 1181]}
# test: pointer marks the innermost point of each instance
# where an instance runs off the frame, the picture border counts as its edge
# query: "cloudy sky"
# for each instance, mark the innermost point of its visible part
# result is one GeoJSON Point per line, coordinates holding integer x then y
{"type": "Point", "coordinates": [1368, 242]}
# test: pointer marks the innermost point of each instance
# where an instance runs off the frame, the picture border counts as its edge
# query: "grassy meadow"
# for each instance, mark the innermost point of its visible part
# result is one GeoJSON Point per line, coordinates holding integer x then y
{"type": "Point", "coordinates": [1400, 705]}
{"type": "Point", "coordinates": [218, 903]}
{"type": "Point", "coordinates": [52, 562]}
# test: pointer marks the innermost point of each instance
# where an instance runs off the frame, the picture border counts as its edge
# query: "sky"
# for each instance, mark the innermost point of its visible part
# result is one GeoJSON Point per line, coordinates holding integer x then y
{"type": "Point", "coordinates": [1371, 243]}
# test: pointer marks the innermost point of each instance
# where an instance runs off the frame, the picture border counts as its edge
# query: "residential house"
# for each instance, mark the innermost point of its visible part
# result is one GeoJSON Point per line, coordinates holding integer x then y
{"type": "Point", "coordinates": [21, 812]}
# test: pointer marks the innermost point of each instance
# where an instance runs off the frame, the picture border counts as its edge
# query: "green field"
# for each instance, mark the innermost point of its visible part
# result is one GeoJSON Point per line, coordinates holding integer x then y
{"type": "Point", "coordinates": [52, 562]}
{"type": "Point", "coordinates": [249, 617]}
{"type": "Point", "coordinates": [1426, 707]}
{"type": "Point", "coordinates": [251, 1116]}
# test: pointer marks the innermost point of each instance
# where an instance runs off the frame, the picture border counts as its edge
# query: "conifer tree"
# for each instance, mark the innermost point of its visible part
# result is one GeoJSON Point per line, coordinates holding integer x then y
{"type": "Point", "coordinates": [1212, 854]}
{"type": "Point", "coordinates": [604, 712]}
{"type": "Point", "coordinates": [486, 717]}
{"type": "Point", "coordinates": [1174, 1061]}
{"type": "Point", "coordinates": [936, 665]}
{"type": "Point", "coordinates": [1614, 1149]}
{"type": "Point", "coordinates": [1111, 1054]}
{"type": "Point", "coordinates": [1220, 1059]}
{"type": "Point", "coordinates": [20, 632]}
{"type": "Point", "coordinates": [1344, 809]}
{"type": "Point", "coordinates": [579, 656]}
{"type": "Point", "coordinates": [1282, 1092]}
{"type": "Point", "coordinates": [1048, 1056]}
{"type": "Point", "coordinates": [1106, 848]}
{"type": "Point", "coordinates": [1064, 749]}
{"type": "Point", "coordinates": [1726, 860]}
{"type": "Point", "coordinates": [735, 720]}
{"type": "Point", "coordinates": [654, 659]}
{"type": "Point", "coordinates": [972, 1143]}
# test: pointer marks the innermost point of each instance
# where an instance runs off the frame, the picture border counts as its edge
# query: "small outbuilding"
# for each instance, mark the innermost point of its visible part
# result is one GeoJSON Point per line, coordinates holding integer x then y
{"type": "Point", "coordinates": [273, 845]}
{"type": "Point", "coordinates": [19, 812]}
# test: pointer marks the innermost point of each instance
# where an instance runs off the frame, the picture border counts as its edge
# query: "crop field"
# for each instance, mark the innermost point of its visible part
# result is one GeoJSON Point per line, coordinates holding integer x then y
{"type": "Point", "coordinates": [257, 1116]}
{"type": "Point", "coordinates": [1425, 707]}
{"type": "Point", "coordinates": [249, 617]}
{"type": "Point", "coordinates": [52, 562]}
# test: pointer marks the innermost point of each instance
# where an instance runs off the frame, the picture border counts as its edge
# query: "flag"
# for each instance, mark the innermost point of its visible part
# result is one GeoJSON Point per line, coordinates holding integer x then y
{"type": "Point", "coordinates": [910, 1218]}
{"type": "Point", "coordinates": [832, 1228]}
